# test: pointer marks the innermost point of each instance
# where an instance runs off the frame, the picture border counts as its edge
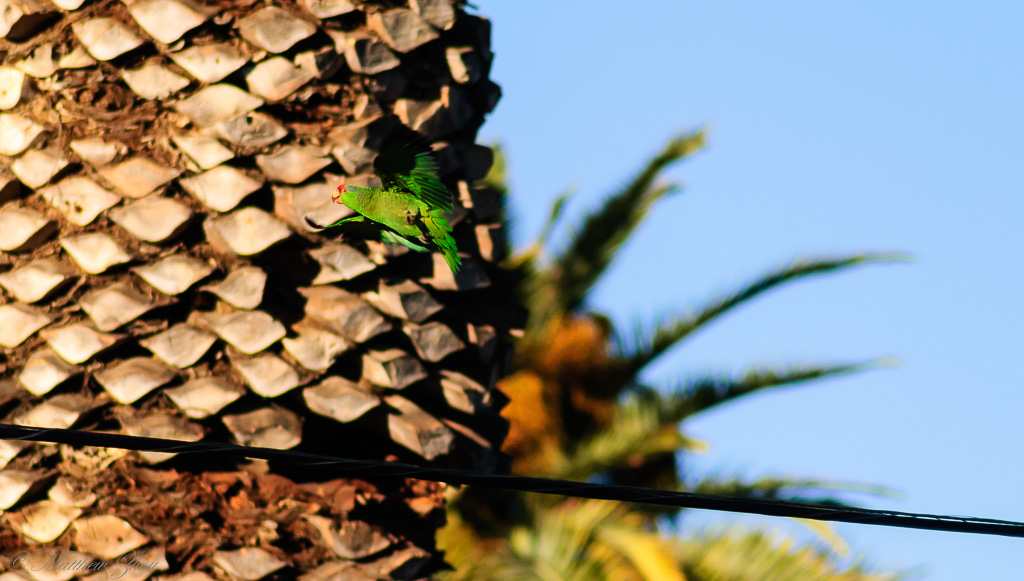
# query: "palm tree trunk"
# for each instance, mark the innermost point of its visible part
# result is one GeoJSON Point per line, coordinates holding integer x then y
{"type": "Point", "coordinates": [157, 161]}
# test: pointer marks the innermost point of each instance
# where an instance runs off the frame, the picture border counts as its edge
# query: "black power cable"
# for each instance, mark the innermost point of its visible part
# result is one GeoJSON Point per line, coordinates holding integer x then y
{"type": "Point", "coordinates": [381, 469]}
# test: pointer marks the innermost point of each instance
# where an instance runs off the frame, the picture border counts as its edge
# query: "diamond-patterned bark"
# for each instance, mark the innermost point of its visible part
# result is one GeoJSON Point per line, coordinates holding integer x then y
{"type": "Point", "coordinates": [44, 521]}
{"type": "Point", "coordinates": [134, 378]}
{"type": "Point", "coordinates": [168, 20]}
{"type": "Point", "coordinates": [274, 29]}
{"type": "Point", "coordinates": [116, 305]}
{"type": "Point", "coordinates": [18, 322]}
{"type": "Point", "coordinates": [242, 288]}
{"type": "Point", "coordinates": [39, 63]}
{"type": "Point", "coordinates": [105, 38]}
{"type": "Point", "coordinates": [276, 78]}
{"type": "Point", "coordinates": [78, 342]}
{"type": "Point", "coordinates": [137, 177]}
{"type": "Point", "coordinates": [14, 87]}
{"type": "Point", "coordinates": [248, 331]}
{"type": "Point", "coordinates": [159, 160]}
{"type": "Point", "coordinates": [95, 151]}
{"type": "Point", "coordinates": [38, 166]}
{"type": "Point", "coordinates": [174, 275]}
{"type": "Point", "coordinates": [221, 188]}
{"type": "Point", "coordinates": [17, 133]}
{"type": "Point", "coordinates": [36, 280]}
{"type": "Point", "coordinates": [95, 252]}
{"type": "Point", "coordinates": [314, 348]}
{"type": "Point", "coordinates": [153, 218]}
{"type": "Point", "coordinates": [153, 81]}
{"type": "Point", "coordinates": [210, 62]}
{"type": "Point", "coordinates": [44, 371]}
{"type": "Point", "coordinates": [182, 345]}
{"type": "Point", "coordinates": [22, 229]}
{"type": "Point", "coordinates": [80, 199]}
{"type": "Point", "coordinates": [201, 398]}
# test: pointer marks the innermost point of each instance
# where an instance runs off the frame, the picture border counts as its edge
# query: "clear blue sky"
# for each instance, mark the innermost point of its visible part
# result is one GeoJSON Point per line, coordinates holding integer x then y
{"type": "Point", "coordinates": [835, 128]}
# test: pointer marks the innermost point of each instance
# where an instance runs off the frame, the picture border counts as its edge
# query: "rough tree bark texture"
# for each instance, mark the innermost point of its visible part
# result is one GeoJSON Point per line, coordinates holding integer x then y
{"type": "Point", "coordinates": [157, 158]}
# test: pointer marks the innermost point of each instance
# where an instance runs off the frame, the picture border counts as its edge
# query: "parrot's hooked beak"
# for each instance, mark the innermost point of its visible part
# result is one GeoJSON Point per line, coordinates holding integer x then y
{"type": "Point", "coordinates": [336, 198]}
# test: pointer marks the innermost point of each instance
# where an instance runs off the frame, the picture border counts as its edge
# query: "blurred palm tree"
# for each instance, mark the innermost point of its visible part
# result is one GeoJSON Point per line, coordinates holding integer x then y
{"type": "Point", "coordinates": [579, 409]}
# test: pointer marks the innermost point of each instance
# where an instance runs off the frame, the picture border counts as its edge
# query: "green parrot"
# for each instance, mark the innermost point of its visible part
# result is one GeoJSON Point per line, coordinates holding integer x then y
{"type": "Point", "coordinates": [412, 206]}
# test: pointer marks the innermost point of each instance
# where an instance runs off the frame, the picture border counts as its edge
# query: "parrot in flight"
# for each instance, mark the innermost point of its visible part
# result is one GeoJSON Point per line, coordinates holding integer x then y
{"type": "Point", "coordinates": [412, 205]}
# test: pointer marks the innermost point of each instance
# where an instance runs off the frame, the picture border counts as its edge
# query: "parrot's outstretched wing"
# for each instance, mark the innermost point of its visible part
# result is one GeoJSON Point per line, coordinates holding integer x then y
{"type": "Point", "coordinates": [409, 164]}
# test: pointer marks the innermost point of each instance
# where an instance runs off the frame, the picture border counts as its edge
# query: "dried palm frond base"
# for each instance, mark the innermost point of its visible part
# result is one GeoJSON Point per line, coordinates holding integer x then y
{"type": "Point", "coordinates": [280, 528]}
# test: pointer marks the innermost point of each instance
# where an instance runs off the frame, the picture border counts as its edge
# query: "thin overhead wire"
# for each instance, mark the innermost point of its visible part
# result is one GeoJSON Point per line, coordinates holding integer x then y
{"type": "Point", "coordinates": [380, 469]}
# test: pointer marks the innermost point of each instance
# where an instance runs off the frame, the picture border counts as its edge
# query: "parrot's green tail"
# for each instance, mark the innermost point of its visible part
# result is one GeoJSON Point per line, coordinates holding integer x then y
{"type": "Point", "coordinates": [440, 230]}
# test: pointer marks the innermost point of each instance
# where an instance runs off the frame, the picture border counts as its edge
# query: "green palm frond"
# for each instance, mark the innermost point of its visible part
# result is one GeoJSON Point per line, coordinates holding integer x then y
{"type": "Point", "coordinates": [497, 175]}
{"type": "Point", "coordinates": [646, 552]}
{"type": "Point", "coordinates": [827, 534]}
{"type": "Point", "coordinates": [560, 540]}
{"type": "Point", "coordinates": [565, 284]}
{"type": "Point", "coordinates": [695, 396]}
{"type": "Point", "coordinates": [646, 344]}
{"type": "Point", "coordinates": [741, 555]}
{"type": "Point", "coordinates": [541, 537]}
{"type": "Point", "coordinates": [532, 253]}
{"type": "Point", "coordinates": [643, 427]}
{"type": "Point", "coordinates": [556, 212]}
{"type": "Point", "coordinates": [790, 489]}
{"type": "Point", "coordinates": [647, 420]}
{"type": "Point", "coordinates": [591, 540]}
